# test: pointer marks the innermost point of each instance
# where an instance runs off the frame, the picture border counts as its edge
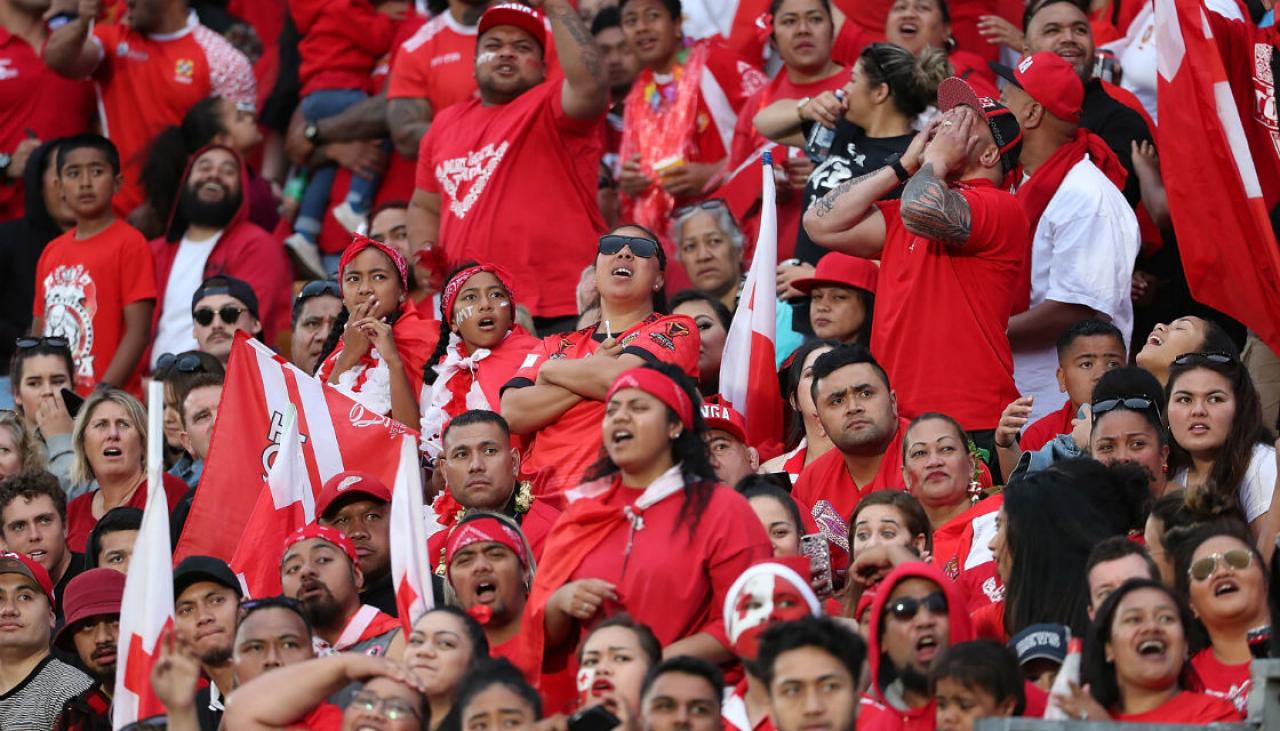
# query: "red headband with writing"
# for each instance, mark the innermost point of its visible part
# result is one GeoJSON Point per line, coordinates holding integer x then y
{"type": "Point", "coordinates": [659, 386]}
{"type": "Point", "coordinates": [324, 533]}
{"type": "Point", "coordinates": [484, 530]}
{"type": "Point", "coordinates": [459, 280]}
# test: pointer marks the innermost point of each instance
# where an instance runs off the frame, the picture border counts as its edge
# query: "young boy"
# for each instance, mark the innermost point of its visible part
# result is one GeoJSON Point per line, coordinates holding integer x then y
{"type": "Point", "coordinates": [1086, 350]}
{"type": "Point", "coordinates": [96, 284]}
{"type": "Point", "coordinates": [973, 680]}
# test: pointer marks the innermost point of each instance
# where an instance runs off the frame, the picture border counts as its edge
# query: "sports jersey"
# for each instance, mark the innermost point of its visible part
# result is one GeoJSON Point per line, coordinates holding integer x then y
{"type": "Point", "coordinates": [1220, 680]}
{"type": "Point", "coordinates": [436, 63]}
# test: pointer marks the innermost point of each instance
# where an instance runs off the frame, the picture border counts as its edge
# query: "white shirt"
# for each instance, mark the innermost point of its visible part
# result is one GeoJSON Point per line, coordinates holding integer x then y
{"type": "Point", "coordinates": [1083, 253]}
{"type": "Point", "coordinates": [173, 333]}
{"type": "Point", "coordinates": [1258, 483]}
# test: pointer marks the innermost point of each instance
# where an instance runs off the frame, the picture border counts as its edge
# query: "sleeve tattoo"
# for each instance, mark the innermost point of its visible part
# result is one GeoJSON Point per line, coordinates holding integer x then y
{"type": "Point", "coordinates": [931, 209]}
{"type": "Point", "coordinates": [827, 203]}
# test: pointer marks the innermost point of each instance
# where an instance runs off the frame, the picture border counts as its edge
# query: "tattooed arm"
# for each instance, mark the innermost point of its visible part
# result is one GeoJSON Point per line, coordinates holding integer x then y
{"type": "Point", "coordinates": [408, 120]}
{"type": "Point", "coordinates": [846, 219]}
{"type": "Point", "coordinates": [934, 211]}
{"type": "Point", "coordinates": [585, 92]}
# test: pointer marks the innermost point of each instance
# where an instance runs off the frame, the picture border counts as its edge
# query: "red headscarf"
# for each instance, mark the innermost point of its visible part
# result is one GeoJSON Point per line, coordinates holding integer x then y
{"type": "Point", "coordinates": [324, 533]}
{"type": "Point", "coordinates": [459, 280]}
{"type": "Point", "coordinates": [360, 243]}
{"type": "Point", "coordinates": [658, 385]}
{"type": "Point", "coordinates": [484, 530]}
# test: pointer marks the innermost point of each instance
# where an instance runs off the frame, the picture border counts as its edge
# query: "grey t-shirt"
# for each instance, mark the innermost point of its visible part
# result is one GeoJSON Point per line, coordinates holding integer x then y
{"type": "Point", "coordinates": [34, 704]}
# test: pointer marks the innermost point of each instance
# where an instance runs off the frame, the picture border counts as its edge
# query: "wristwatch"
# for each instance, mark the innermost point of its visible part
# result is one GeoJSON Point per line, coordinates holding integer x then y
{"type": "Point", "coordinates": [312, 133]}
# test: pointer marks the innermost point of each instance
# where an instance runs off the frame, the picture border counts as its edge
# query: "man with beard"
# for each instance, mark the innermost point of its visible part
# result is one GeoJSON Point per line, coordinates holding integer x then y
{"type": "Point", "coordinates": [206, 599]}
{"type": "Point", "coordinates": [490, 572]}
{"type": "Point", "coordinates": [319, 567]}
{"type": "Point", "coordinates": [92, 604]}
{"type": "Point", "coordinates": [480, 467]}
{"type": "Point", "coordinates": [356, 504]}
{"type": "Point", "coordinates": [210, 234]}
{"type": "Point", "coordinates": [221, 306]}
{"type": "Point", "coordinates": [859, 411]}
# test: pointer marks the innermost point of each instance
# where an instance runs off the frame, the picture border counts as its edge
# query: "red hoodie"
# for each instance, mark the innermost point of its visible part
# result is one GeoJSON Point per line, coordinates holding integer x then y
{"type": "Point", "coordinates": [244, 251]}
{"type": "Point", "coordinates": [342, 41]}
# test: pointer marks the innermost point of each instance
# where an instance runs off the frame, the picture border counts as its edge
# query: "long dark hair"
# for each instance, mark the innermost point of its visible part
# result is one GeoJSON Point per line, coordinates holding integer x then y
{"type": "Point", "coordinates": [913, 80]}
{"type": "Point", "coordinates": [689, 450]}
{"type": "Point", "coordinates": [1220, 494]}
{"type": "Point", "coordinates": [1098, 672]}
{"type": "Point", "coordinates": [790, 375]}
{"type": "Point", "coordinates": [171, 149]}
{"type": "Point", "coordinates": [1186, 550]}
{"type": "Point", "coordinates": [1054, 518]}
{"type": "Point", "coordinates": [340, 324]}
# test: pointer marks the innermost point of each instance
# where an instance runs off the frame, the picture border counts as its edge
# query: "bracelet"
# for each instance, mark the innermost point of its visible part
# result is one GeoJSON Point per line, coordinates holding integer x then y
{"type": "Point", "coordinates": [800, 105]}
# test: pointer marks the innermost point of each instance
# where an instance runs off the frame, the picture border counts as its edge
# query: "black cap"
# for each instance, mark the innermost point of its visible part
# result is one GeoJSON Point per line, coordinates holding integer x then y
{"type": "Point", "coordinates": [222, 284]}
{"type": "Point", "coordinates": [954, 92]}
{"type": "Point", "coordinates": [195, 569]}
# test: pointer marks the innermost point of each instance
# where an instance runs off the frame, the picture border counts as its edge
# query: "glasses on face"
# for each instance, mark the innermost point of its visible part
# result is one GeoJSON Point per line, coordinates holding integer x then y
{"type": "Point", "coordinates": [320, 287]}
{"type": "Point", "coordinates": [907, 607]}
{"type": "Point", "coordinates": [228, 313]}
{"type": "Point", "coordinates": [393, 709]}
{"type": "Point", "coordinates": [611, 244]}
{"type": "Point", "coordinates": [707, 205]}
{"type": "Point", "coordinates": [183, 363]}
{"type": "Point", "coordinates": [1132, 403]}
{"type": "Point", "coordinates": [1199, 358]}
{"type": "Point", "coordinates": [28, 342]}
{"type": "Point", "coordinates": [1236, 559]}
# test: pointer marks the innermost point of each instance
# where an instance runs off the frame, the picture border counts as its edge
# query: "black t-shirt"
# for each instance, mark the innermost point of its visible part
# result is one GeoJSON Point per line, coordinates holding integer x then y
{"type": "Point", "coordinates": [853, 154]}
{"type": "Point", "coordinates": [1119, 126]}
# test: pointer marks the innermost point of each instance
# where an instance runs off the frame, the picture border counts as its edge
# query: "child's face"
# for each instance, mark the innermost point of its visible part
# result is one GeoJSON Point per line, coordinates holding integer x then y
{"type": "Point", "coordinates": [87, 182]}
{"type": "Point", "coordinates": [1084, 362]}
{"type": "Point", "coordinates": [959, 705]}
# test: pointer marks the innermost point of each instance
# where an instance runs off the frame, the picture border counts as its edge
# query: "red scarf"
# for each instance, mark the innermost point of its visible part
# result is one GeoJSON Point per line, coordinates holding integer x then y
{"type": "Point", "coordinates": [1038, 190]}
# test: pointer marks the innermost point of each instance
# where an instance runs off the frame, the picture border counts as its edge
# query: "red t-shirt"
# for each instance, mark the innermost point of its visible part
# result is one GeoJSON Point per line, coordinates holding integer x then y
{"type": "Point", "coordinates": [82, 287]}
{"type": "Point", "coordinates": [960, 551]}
{"type": "Point", "coordinates": [988, 622]}
{"type": "Point", "coordinates": [825, 485]}
{"type": "Point", "coordinates": [1186, 707]}
{"type": "Point", "coordinates": [942, 311]}
{"type": "Point", "coordinates": [1220, 680]}
{"type": "Point", "coordinates": [149, 82]}
{"type": "Point", "coordinates": [33, 97]}
{"type": "Point", "coordinates": [561, 452]}
{"type": "Point", "coordinates": [1047, 427]}
{"type": "Point", "coordinates": [436, 63]}
{"type": "Point", "coordinates": [517, 181]}
{"type": "Point", "coordinates": [80, 520]}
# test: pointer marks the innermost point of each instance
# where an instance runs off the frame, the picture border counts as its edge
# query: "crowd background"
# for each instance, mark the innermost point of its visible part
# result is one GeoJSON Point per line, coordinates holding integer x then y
{"type": "Point", "coordinates": [1007, 444]}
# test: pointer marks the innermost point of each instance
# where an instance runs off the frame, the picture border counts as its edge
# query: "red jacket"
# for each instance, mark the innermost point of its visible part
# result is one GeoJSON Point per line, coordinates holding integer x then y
{"type": "Point", "coordinates": [342, 41]}
{"type": "Point", "coordinates": [244, 251]}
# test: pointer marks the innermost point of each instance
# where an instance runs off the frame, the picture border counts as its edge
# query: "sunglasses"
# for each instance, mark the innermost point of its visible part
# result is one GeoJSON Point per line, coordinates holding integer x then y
{"type": "Point", "coordinates": [183, 363]}
{"type": "Point", "coordinates": [318, 287]}
{"type": "Point", "coordinates": [707, 205]}
{"type": "Point", "coordinates": [907, 607]}
{"type": "Point", "coordinates": [393, 709]}
{"type": "Point", "coordinates": [611, 244]}
{"type": "Point", "coordinates": [1199, 358]}
{"type": "Point", "coordinates": [28, 342]}
{"type": "Point", "coordinates": [1236, 559]}
{"type": "Point", "coordinates": [1132, 403]}
{"type": "Point", "coordinates": [228, 313]}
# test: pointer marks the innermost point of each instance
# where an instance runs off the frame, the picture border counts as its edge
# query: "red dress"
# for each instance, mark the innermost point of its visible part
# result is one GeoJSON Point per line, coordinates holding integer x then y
{"type": "Point", "coordinates": [80, 520]}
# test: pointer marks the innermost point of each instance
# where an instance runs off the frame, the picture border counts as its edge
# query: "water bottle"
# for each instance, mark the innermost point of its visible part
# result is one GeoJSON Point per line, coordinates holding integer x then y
{"type": "Point", "coordinates": [1069, 672]}
{"type": "Point", "coordinates": [295, 184]}
{"type": "Point", "coordinates": [820, 138]}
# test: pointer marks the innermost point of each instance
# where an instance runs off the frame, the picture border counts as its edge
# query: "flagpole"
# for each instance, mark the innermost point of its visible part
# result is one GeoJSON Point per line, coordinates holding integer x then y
{"type": "Point", "coordinates": [155, 437]}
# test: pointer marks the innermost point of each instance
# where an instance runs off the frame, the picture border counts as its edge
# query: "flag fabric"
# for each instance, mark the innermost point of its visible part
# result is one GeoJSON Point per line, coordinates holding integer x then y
{"type": "Point", "coordinates": [410, 565]}
{"type": "Point", "coordinates": [1225, 238]}
{"type": "Point", "coordinates": [748, 375]}
{"type": "Point", "coordinates": [285, 506]}
{"type": "Point", "coordinates": [335, 433]}
{"type": "Point", "coordinates": [146, 610]}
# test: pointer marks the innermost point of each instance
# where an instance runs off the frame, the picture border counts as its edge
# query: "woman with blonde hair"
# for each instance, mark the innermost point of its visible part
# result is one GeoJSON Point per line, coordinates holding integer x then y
{"type": "Point", "coordinates": [20, 450]}
{"type": "Point", "coordinates": [109, 442]}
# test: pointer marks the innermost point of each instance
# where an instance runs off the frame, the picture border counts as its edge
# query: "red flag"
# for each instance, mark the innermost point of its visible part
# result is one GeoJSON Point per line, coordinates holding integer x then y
{"type": "Point", "coordinates": [146, 610]}
{"type": "Point", "coordinates": [335, 432]}
{"type": "Point", "coordinates": [410, 566]}
{"type": "Point", "coordinates": [748, 371]}
{"type": "Point", "coordinates": [1224, 231]}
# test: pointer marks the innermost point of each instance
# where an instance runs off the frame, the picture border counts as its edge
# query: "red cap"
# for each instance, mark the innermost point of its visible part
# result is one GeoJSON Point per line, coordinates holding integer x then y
{"type": "Point", "coordinates": [324, 533]}
{"type": "Point", "coordinates": [17, 563]}
{"type": "Point", "coordinates": [91, 594]}
{"type": "Point", "coordinates": [1050, 80]}
{"type": "Point", "coordinates": [842, 270]}
{"type": "Point", "coordinates": [725, 418]}
{"type": "Point", "coordinates": [521, 16]}
{"type": "Point", "coordinates": [351, 482]}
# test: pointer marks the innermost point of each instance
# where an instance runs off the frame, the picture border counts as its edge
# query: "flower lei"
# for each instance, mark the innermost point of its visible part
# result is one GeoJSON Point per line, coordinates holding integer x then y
{"type": "Point", "coordinates": [445, 505]}
{"type": "Point", "coordinates": [975, 482]}
{"type": "Point", "coordinates": [369, 385]}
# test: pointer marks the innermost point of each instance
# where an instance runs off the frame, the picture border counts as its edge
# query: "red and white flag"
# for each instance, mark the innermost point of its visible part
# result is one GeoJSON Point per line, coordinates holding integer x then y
{"type": "Point", "coordinates": [410, 566]}
{"type": "Point", "coordinates": [748, 371]}
{"type": "Point", "coordinates": [335, 433]}
{"type": "Point", "coordinates": [1224, 231]}
{"type": "Point", "coordinates": [146, 610]}
{"type": "Point", "coordinates": [285, 506]}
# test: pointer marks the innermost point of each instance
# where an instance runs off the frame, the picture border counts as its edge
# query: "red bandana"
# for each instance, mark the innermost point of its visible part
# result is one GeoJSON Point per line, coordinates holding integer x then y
{"type": "Point", "coordinates": [360, 243]}
{"type": "Point", "coordinates": [484, 530]}
{"type": "Point", "coordinates": [659, 386]}
{"type": "Point", "coordinates": [459, 280]}
{"type": "Point", "coordinates": [324, 533]}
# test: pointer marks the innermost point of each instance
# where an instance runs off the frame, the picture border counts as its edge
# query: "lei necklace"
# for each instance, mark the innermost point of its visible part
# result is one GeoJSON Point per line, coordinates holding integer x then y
{"type": "Point", "coordinates": [662, 89]}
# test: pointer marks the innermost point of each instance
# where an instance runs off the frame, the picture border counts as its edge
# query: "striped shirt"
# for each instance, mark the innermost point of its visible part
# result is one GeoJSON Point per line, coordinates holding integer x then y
{"type": "Point", "coordinates": [34, 704]}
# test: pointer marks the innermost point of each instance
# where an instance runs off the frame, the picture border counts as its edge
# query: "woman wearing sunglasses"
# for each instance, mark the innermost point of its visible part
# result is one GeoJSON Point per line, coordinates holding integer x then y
{"type": "Point", "coordinates": [382, 343]}
{"type": "Point", "coordinates": [1127, 426]}
{"type": "Point", "coordinates": [1135, 663]}
{"type": "Point", "coordinates": [1222, 452]}
{"type": "Point", "coordinates": [557, 397]}
{"type": "Point", "coordinates": [1223, 578]}
{"type": "Point", "coordinates": [479, 350]}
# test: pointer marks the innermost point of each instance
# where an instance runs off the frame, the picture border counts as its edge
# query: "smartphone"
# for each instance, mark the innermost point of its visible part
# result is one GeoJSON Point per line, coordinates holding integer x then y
{"type": "Point", "coordinates": [73, 402]}
{"type": "Point", "coordinates": [815, 546]}
{"type": "Point", "coordinates": [595, 718]}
